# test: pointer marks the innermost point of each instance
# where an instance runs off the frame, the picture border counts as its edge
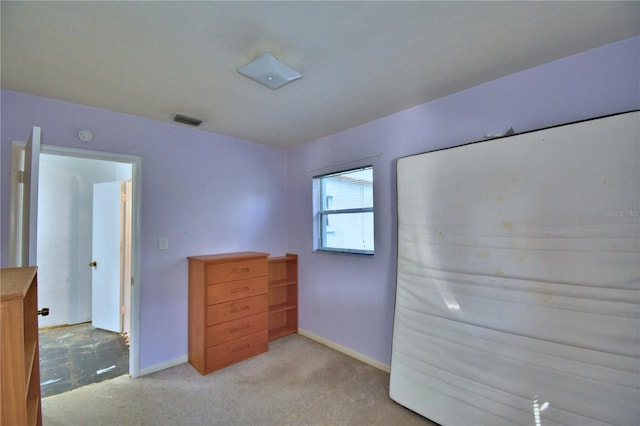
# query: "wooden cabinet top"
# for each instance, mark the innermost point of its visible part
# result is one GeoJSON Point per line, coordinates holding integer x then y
{"type": "Point", "coordinates": [229, 257]}
{"type": "Point", "coordinates": [14, 282]}
{"type": "Point", "coordinates": [286, 258]}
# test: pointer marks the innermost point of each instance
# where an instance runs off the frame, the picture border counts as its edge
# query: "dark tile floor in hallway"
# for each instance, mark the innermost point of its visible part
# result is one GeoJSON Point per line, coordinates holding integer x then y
{"type": "Point", "coordinates": [78, 355]}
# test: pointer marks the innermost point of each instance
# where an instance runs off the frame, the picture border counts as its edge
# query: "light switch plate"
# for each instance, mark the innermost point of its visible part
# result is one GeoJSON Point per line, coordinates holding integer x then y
{"type": "Point", "coordinates": [163, 243]}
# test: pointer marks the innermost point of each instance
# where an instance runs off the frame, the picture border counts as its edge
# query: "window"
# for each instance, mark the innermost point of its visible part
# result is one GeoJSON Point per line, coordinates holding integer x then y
{"type": "Point", "coordinates": [344, 211]}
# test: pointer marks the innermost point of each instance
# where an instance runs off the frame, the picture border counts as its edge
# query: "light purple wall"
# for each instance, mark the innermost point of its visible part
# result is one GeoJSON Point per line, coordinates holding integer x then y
{"type": "Point", "coordinates": [349, 299]}
{"type": "Point", "coordinates": [207, 193]}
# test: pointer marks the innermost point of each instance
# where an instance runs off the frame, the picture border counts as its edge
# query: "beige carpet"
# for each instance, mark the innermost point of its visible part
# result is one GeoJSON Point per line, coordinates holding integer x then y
{"type": "Point", "coordinates": [298, 382]}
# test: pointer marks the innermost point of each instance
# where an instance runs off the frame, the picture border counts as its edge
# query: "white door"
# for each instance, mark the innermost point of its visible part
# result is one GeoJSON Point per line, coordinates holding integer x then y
{"type": "Point", "coordinates": [105, 295]}
{"type": "Point", "coordinates": [29, 230]}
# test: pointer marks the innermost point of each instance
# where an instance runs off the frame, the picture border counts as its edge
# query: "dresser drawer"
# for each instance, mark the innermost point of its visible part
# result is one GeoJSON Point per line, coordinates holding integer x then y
{"type": "Point", "coordinates": [230, 271]}
{"type": "Point", "coordinates": [231, 352]}
{"type": "Point", "coordinates": [235, 329]}
{"type": "Point", "coordinates": [223, 312]}
{"type": "Point", "coordinates": [226, 292]}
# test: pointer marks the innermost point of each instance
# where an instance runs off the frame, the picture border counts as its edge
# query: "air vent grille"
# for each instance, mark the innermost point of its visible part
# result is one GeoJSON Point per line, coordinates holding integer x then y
{"type": "Point", "coordinates": [189, 121]}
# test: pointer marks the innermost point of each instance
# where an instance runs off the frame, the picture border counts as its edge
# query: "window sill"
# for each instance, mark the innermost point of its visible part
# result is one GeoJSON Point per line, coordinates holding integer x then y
{"type": "Point", "coordinates": [344, 251]}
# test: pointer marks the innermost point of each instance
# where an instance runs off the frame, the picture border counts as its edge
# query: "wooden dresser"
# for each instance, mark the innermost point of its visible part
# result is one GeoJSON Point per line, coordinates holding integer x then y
{"type": "Point", "coordinates": [228, 303]}
{"type": "Point", "coordinates": [20, 356]}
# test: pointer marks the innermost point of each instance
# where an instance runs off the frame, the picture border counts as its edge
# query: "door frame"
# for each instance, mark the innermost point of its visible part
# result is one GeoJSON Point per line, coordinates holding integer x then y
{"type": "Point", "coordinates": [136, 231]}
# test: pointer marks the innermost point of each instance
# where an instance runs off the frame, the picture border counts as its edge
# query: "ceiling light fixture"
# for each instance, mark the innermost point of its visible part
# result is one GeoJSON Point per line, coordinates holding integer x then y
{"type": "Point", "coordinates": [269, 71]}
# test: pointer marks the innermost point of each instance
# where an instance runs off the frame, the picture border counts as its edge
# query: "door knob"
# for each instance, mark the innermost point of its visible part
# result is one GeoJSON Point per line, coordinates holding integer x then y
{"type": "Point", "coordinates": [93, 264]}
{"type": "Point", "coordinates": [44, 312]}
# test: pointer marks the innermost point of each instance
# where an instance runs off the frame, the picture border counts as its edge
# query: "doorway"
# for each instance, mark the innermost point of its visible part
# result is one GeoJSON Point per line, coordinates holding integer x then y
{"type": "Point", "coordinates": [70, 234]}
{"type": "Point", "coordinates": [83, 220]}
{"type": "Point", "coordinates": [76, 222]}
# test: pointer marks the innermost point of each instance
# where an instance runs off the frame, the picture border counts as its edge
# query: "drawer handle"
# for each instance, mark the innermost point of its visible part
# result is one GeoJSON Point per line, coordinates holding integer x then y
{"type": "Point", "coordinates": [242, 327]}
{"type": "Point", "coordinates": [239, 289]}
{"type": "Point", "coordinates": [239, 309]}
{"type": "Point", "coordinates": [240, 348]}
{"type": "Point", "coordinates": [239, 270]}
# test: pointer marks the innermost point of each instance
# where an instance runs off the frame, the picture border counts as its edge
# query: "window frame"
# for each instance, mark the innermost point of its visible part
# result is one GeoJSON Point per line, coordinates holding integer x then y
{"type": "Point", "coordinates": [321, 214]}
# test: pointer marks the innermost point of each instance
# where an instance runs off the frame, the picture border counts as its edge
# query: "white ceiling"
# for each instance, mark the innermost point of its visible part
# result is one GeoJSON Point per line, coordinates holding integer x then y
{"type": "Point", "coordinates": [360, 60]}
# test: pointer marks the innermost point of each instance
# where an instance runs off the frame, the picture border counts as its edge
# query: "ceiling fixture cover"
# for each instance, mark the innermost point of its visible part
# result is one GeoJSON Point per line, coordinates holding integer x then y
{"type": "Point", "coordinates": [269, 71]}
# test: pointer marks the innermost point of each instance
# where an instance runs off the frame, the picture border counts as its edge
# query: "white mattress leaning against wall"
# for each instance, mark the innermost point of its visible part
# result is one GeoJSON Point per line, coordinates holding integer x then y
{"type": "Point", "coordinates": [518, 297]}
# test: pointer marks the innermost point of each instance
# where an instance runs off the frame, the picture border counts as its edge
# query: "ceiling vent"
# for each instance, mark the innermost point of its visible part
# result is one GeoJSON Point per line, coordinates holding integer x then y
{"type": "Point", "coordinates": [189, 121]}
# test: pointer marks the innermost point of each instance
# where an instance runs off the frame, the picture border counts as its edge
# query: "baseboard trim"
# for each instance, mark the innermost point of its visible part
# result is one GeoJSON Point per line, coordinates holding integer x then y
{"type": "Point", "coordinates": [164, 365]}
{"type": "Point", "coordinates": [357, 355]}
{"type": "Point", "coordinates": [306, 333]}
